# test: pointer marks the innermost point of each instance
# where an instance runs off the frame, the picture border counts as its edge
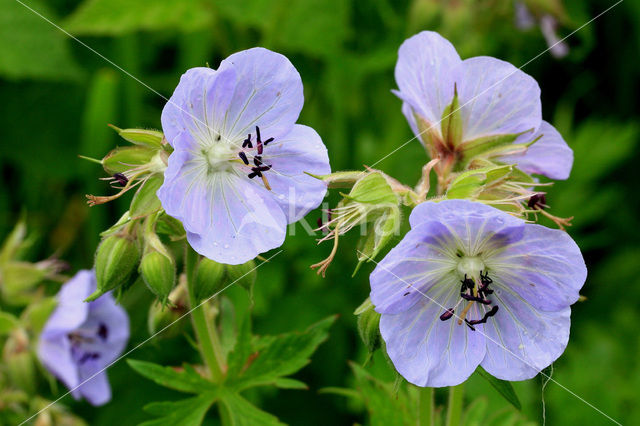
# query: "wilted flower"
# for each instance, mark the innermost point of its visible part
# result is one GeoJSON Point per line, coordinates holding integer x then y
{"type": "Point", "coordinates": [237, 176]}
{"type": "Point", "coordinates": [479, 108]}
{"type": "Point", "coordinates": [81, 339]}
{"type": "Point", "coordinates": [472, 285]}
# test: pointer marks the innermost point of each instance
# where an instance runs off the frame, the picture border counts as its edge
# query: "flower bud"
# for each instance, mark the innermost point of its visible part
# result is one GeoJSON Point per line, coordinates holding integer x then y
{"type": "Point", "coordinates": [209, 278]}
{"type": "Point", "coordinates": [158, 273]}
{"type": "Point", "coordinates": [368, 325]}
{"type": "Point", "coordinates": [125, 158]}
{"type": "Point", "coordinates": [19, 361]}
{"type": "Point", "coordinates": [149, 138]}
{"type": "Point", "coordinates": [116, 259]}
{"type": "Point", "coordinates": [244, 274]}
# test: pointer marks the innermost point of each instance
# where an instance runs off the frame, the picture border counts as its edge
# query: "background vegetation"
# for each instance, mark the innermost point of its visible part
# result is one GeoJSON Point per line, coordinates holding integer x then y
{"type": "Point", "coordinates": [58, 96]}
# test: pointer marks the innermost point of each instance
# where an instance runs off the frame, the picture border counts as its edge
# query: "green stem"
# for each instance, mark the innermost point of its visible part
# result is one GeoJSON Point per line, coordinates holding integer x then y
{"type": "Point", "coordinates": [210, 347]}
{"type": "Point", "coordinates": [454, 409]}
{"type": "Point", "coordinates": [426, 407]}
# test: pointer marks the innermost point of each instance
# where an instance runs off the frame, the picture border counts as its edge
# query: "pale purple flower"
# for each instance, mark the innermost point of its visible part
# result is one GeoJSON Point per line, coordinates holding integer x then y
{"type": "Point", "coordinates": [237, 175]}
{"type": "Point", "coordinates": [81, 339]}
{"type": "Point", "coordinates": [472, 285]}
{"type": "Point", "coordinates": [548, 26]}
{"type": "Point", "coordinates": [495, 98]}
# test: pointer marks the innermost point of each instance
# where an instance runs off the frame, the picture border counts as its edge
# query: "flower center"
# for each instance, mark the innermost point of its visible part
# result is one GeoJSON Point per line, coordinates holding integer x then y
{"type": "Point", "coordinates": [474, 289]}
{"type": "Point", "coordinates": [219, 157]}
{"type": "Point", "coordinates": [258, 166]}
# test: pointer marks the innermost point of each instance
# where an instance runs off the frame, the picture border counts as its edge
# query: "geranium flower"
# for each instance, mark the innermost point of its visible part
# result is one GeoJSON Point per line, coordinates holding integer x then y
{"type": "Point", "coordinates": [496, 100]}
{"type": "Point", "coordinates": [237, 176]}
{"type": "Point", "coordinates": [472, 285]}
{"type": "Point", "coordinates": [81, 339]}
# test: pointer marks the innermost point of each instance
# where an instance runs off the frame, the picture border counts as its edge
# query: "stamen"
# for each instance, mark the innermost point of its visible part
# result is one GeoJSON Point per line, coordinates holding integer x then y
{"type": "Point", "coordinates": [268, 141]}
{"type": "Point", "coordinates": [258, 141]}
{"type": "Point", "coordinates": [103, 332]}
{"type": "Point", "coordinates": [247, 142]}
{"type": "Point", "coordinates": [468, 324]}
{"type": "Point", "coordinates": [486, 316]}
{"type": "Point", "coordinates": [121, 179]}
{"type": "Point", "coordinates": [243, 157]}
{"type": "Point", "coordinates": [447, 314]}
{"type": "Point", "coordinates": [537, 201]}
{"type": "Point", "coordinates": [475, 299]}
{"type": "Point", "coordinates": [464, 313]}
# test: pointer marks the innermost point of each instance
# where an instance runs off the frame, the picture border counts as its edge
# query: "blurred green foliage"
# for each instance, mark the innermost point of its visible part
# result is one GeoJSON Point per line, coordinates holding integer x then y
{"type": "Point", "coordinates": [58, 96]}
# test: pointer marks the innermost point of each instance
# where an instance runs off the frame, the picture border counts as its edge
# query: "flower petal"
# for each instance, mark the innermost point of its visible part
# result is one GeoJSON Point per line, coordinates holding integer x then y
{"type": "Point", "coordinates": [497, 98]}
{"type": "Point", "coordinates": [545, 268]}
{"type": "Point", "coordinates": [97, 389]}
{"type": "Point", "coordinates": [300, 151]}
{"type": "Point", "coordinates": [268, 93]}
{"type": "Point", "coordinates": [455, 210]}
{"type": "Point", "coordinates": [421, 260]}
{"type": "Point", "coordinates": [55, 354]}
{"type": "Point", "coordinates": [197, 109]}
{"type": "Point", "coordinates": [427, 351]}
{"type": "Point", "coordinates": [549, 156]}
{"type": "Point", "coordinates": [105, 311]}
{"type": "Point", "coordinates": [71, 310]}
{"type": "Point", "coordinates": [426, 75]}
{"type": "Point", "coordinates": [242, 220]}
{"type": "Point", "coordinates": [521, 340]}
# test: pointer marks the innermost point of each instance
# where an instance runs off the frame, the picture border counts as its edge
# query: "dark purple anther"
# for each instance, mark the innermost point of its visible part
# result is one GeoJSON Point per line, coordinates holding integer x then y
{"type": "Point", "coordinates": [258, 141]}
{"type": "Point", "coordinates": [247, 142]}
{"type": "Point", "coordinates": [486, 316]}
{"type": "Point", "coordinates": [447, 314]}
{"type": "Point", "coordinates": [475, 299]}
{"type": "Point", "coordinates": [268, 141]}
{"type": "Point", "coordinates": [243, 157]}
{"type": "Point", "coordinates": [469, 325]}
{"type": "Point", "coordinates": [537, 201]}
{"type": "Point", "coordinates": [121, 179]}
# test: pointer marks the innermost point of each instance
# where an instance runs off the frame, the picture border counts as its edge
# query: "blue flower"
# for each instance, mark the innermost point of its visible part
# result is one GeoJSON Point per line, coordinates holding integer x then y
{"type": "Point", "coordinates": [237, 175]}
{"type": "Point", "coordinates": [495, 99]}
{"type": "Point", "coordinates": [81, 339]}
{"type": "Point", "coordinates": [472, 285]}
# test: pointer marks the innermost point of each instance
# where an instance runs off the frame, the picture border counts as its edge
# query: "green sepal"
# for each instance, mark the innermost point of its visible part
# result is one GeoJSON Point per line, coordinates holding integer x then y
{"type": "Point", "coordinates": [451, 122]}
{"type": "Point", "coordinates": [159, 273]}
{"type": "Point", "coordinates": [116, 260]}
{"type": "Point", "coordinates": [383, 230]}
{"type": "Point", "coordinates": [373, 188]}
{"type": "Point", "coordinates": [492, 145]}
{"type": "Point", "coordinates": [368, 325]}
{"type": "Point", "coordinates": [8, 323]}
{"type": "Point", "coordinates": [125, 158]}
{"type": "Point", "coordinates": [470, 183]}
{"type": "Point", "coordinates": [502, 386]}
{"type": "Point", "coordinates": [344, 179]}
{"type": "Point", "coordinates": [209, 278]}
{"type": "Point", "coordinates": [143, 137]}
{"type": "Point", "coordinates": [145, 201]}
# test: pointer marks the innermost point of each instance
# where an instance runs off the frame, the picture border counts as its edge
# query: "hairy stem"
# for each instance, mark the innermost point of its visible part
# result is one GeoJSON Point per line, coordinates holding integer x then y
{"type": "Point", "coordinates": [209, 342]}
{"type": "Point", "coordinates": [454, 405]}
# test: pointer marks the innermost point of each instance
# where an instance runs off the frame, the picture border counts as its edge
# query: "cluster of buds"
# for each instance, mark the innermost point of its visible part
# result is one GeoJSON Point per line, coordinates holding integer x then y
{"type": "Point", "coordinates": [134, 166]}
{"type": "Point", "coordinates": [373, 204]}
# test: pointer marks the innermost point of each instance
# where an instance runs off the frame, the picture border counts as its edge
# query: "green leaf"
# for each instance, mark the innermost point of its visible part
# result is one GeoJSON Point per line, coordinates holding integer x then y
{"type": "Point", "coordinates": [277, 356]}
{"type": "Point", "coordinates": [186, 412]}
{"type": "Point", "coordinates": [31, 47]}
{"type": "Point", "coordinates": [117, 17]}
{"type": "Point", "coordinates": [237, 411]}
{"type": "Point", "coordinates": [187, 380]}
{"type": "Point", "coordinates": [285, 383]}
{"type": "Point", "coordinates": [503, 387]}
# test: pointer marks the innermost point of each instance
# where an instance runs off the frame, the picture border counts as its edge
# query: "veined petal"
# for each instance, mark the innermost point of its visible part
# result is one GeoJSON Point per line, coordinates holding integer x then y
{"type": "Point", "coordinates": [426, 73]}
{"type": "Point", "coordinates": [474, 227]}
{"type": "Point", "coordinates": [268, 93]}
{"type": "Point", "coordinates": [427, 351]}
{"type": "Point", "coordinates": [114, 318]}
{"type": "Point", "coordinates": [550, 156]}
{"type": "Point", "coordinates": [198, 107]}
{"type": "Point", "coordinates": [521, 340]}
{"type": "Point", "coordinates": [422, 259]}
{"type": "Point", "coordinates": [497, 98]}
{"type": "Point", "coordinates": [243, 218]}
{"type": "Point", "coordinates": [300, 151]}
{"type": "Point", "coordinates": [545, 268]}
